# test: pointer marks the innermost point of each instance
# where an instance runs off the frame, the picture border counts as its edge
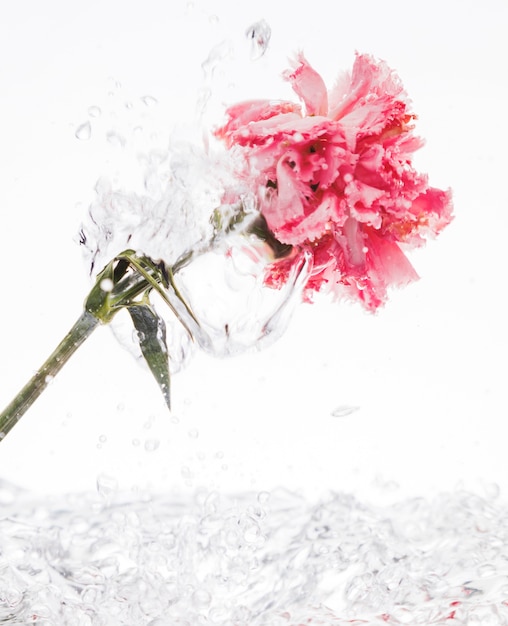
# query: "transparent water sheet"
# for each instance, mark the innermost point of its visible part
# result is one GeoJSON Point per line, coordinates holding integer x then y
{"type": "Point", "coordinates": [260, 559]}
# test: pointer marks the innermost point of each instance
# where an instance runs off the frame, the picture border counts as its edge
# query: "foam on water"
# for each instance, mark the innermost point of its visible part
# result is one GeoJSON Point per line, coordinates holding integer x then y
{"type": "Point", "coordinates": [252, 559]}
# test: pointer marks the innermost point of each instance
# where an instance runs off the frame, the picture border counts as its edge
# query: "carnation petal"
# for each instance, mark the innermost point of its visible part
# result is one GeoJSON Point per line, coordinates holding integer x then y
{"type": "Point", "coordinates": [241, 115]}
{"type": "Point", "coordinates": [286, 206]}
{"type": "Point", "coordinates": [309, 86]}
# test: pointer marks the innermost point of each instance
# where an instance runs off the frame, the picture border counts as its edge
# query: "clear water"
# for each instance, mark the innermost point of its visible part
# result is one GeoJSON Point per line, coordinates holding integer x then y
{"type": "Point", "coordinates": [256, 559]}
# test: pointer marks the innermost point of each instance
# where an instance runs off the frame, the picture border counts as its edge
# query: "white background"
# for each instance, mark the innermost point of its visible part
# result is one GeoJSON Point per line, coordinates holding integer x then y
{"type": "Point", "coordinates": [428, 372]}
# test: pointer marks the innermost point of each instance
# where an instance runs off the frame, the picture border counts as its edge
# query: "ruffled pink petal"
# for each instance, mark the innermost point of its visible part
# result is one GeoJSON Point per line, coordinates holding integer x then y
{"type": "Point", "coordinates": [361, 198]}
{"type": "Point", "coordinates": [241, 116]}
{"type": "Point", "coordinates": [387, 266]}
{"type": "Point", "coordinates": [371, 81]}
{"type": "Point", "coordinates": [309, 86]}
{"type": "Point", "coordinates": [340, 183]}
{"type": "Point", "coordinates": [434, 208]}
{"type": "Point", "coordinates": [286, 207]}
{"type": "Point", "coordinates": [312, 226]}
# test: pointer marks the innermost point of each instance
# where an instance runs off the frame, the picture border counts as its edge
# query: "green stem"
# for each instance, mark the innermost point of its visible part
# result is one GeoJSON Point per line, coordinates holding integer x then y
{"type": "Point", "coordinates": [123, 283]}
{"type": "Point", "coordinates": [81, 330]}
{"type": "Point", "coordinates": [152, 274]}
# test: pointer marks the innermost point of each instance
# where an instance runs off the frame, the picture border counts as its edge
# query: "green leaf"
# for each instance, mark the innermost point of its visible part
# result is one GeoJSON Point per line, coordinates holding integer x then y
{"type": "Point", "coordinates": [151, 333]}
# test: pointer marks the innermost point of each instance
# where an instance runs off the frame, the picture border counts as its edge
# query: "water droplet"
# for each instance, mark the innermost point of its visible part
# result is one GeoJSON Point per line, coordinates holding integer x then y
{"type": "Point", "coordinates": [486, 570]}
{"type": "Point", "coordinates": [151, 445]}
{"type": "Point", "coordinates": [218, 615]}
{"type": "Point", "coordinates": [344, 410]}
{"type": "Point", "coordinates": [106, 285]}
{"type": "Point", "coordinates": [49, 379]}
{"type": "Point", "coordinates": [263, 497]}
{"type": "Point", "coordinates": [83, 131]}
{"type": "Point", "coordinates": [106, 485]}
{"type": "Point", "coordinates": [103, 438]}
{"type": "Point", "coordinates": [491, 490]}
{"type": "Point", "coordinates": [138, 335]}
{"type": "Point", "coordinates": [94, 111]}
{"type": "Point", "coordinates": [259, 35]}
{"type": "Point", "coordinates": [149, 101]}
{"type": "Point", "coordinates": [135, 442]}
{"type": "Point", "coordinates": [193, 433]}
{"type": "Point", "coordinates": [115, 139]}
{"type": "Point", "coordinates": [251, 532]}
{"type": "Point", "coordinates": [201, 598]}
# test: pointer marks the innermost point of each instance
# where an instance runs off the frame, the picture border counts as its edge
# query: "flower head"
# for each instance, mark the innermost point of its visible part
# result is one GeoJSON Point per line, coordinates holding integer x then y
{"type": "Point", "coordinates": [335, 177]}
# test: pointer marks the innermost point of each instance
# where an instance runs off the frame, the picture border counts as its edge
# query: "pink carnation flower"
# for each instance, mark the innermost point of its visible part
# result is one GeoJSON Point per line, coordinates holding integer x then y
{"type": "Point", "coordinates": [336, 178]}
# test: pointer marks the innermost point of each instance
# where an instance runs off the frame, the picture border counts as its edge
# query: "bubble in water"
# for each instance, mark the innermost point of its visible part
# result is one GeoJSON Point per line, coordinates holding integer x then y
{"type": "Point", "coordinates": [344, 410]}
{"type": "Point", "coordinates": [83, 131]}
{"type": "Point", "coordinates": [259, 35]}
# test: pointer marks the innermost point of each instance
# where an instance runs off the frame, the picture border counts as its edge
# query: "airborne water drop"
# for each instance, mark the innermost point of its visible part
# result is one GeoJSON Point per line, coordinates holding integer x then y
{"type": "Point", "coordinates": [259, 35]}
{"type": "Point", "coordinates": [94, 111]}
{"type": "Point", "coordinates": [149, 101]}
{"type": "Point", "coordinates": [344, 410]}
{"type": "Point", "coordinates": [83, 131]}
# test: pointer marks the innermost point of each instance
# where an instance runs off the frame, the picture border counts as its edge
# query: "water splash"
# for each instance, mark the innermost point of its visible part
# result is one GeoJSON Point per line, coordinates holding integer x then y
{"type": "Point", "coordinates": [251, 559]}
